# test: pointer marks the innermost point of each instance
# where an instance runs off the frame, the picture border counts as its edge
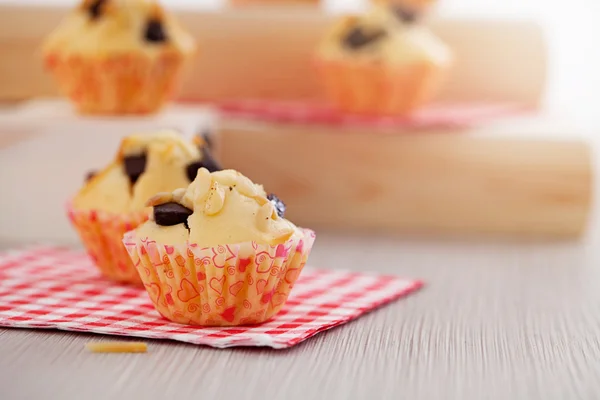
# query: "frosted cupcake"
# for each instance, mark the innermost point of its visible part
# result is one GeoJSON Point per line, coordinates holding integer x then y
{"type": "Point", "coordinates": [383, 62]}
{"type": "Point", "coordinates": [219, 253]}
{"type": "Point", "coordinates": [113, 200]}
{"type": "Point", "coordinates": [118, 56]}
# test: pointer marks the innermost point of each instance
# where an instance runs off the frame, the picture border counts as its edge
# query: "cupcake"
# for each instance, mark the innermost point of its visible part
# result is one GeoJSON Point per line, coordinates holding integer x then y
{"type": "Point", "coordinates": [272, 2]}
{"type": "Point", "coordinates": [218, 253]}
{"type": "Point", "coordinates": [118, 56]}
{"type": "Point", "coordinates": [384, 62]}
{"type": "Point", "coordinates": [113, 200]}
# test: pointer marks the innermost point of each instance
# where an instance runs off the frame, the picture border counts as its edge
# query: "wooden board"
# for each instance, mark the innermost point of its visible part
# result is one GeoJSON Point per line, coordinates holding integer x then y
{"type": "Point", "coordinates": [266, 52]}
{"type": "Point", "coordinates": [492, 181]}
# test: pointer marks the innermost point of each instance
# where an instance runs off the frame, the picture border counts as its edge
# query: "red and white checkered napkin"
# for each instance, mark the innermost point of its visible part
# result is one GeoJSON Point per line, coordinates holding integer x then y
{"type": "Point", "coordinates": [434, 116]}
{"type": "Point", "coordinates": [48, 287]}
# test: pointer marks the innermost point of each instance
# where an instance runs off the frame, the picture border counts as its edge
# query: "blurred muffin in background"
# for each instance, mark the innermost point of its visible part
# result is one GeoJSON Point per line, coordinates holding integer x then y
{"type": "Point", "coordinates": [112, 201]}
{"type": "Point", "coordinates": [413, 6]}
{"type": "Point", "coordinates": [271, 2]}
{"type": "Point", "coordinates": [118, 56]}
{"type": "Point", "coordinates": [384, 62]}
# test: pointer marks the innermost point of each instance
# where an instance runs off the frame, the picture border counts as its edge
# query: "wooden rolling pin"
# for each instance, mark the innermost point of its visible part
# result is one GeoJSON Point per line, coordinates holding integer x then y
{"type": "Point", "coordinates": [449, 183]}
{"type": "Point", "coordinates": [266, 52]}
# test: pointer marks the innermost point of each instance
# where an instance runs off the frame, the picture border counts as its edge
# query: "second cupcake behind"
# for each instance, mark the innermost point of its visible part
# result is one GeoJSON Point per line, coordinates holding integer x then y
{"type": "Point", "coordinates": [113, 200]}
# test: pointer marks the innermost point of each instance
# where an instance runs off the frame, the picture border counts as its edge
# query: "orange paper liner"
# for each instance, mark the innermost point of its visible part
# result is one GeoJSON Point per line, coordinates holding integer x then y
{"type": "Point", "coordinates": [377, 89]}
{"type": "Point", "coordinates": [124, 84]}
{"type": "Point", "coordinates": [227, 285]}
{"type": "Point", "coordinates": [102, 235]}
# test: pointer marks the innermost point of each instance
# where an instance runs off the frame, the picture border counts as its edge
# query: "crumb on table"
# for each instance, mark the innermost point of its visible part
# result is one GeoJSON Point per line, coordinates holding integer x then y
{"type": "Point", "coordinates": [117, 347]}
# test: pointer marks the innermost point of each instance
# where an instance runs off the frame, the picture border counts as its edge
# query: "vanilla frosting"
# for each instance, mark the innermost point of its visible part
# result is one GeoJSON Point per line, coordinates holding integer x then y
{"type": "Point", "coordinates": [393, 42]}
{"type": "Point", "coordinates": [225, 207]}
{"type": "Point", "coordinates": [164, 158]}
{"type": "Point", "coordinates": [103, 28]}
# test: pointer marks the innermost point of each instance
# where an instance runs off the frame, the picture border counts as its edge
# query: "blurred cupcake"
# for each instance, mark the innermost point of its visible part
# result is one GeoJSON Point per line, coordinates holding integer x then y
{"type": "Point", "coordinates": [416, 7]}
{"type": "Point", "coordinates": [112, 201]}
{"type": "Point", "coordinates": [219, 253]}
{"type": "Point", "coordinates": [272, 2]}
{"type": "Point", "coordinates": [118, 56]}
{"type": "Point", "coordinates": [383, 62]}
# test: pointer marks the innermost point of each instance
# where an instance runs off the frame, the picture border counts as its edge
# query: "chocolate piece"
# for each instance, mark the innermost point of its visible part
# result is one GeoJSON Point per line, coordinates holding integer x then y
{"type": "Point", "coordinates": [95, 9]}
{"type": "Point", "coordinates": [169, 214]}
{"type": "Point", "coordinates": [405, 14]}
{"type": "Point", "coordinates": [207, 136]}
{"type": "Point", "coordinates": [358, 37]}
{"type": "Point", "coordinates": [134, 167]}
{"type": "Point", "coordinates": [90, 175]}
{"type": "Point", "coordinates": [207, 162]}
{"type": "Point", "coordinates": [279, 205]}
{"type": "Point", "coordinates": [155, 32]}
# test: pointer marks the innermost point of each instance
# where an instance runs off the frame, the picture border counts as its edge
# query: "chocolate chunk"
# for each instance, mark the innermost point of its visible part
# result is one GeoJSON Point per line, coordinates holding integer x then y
{"type": "Point", "coordinates": [279, 205]}
{"type": "Point", "coordinates": [95, 9]}
{"type": "Point", "coordinates": [405, 15]}
{"type": "Point", "coordinates": [134, 167]}
{"type": "Point", "coordinates": [207, 136]}
{"type": "Point", "coordinates": [170, 214]}
{"type": "Point", "coordinates": [207, 162]}
{"type": "Point", "coordinates": [155, 32]}
{"type": "Point", "coordinates": [90, 175]}
{"type": "Point", "coordinates": [358, 37]}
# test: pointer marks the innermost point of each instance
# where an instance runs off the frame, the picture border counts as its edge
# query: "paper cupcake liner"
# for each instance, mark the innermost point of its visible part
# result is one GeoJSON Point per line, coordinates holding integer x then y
{"type": "Point", "coordinates": [125, 84]}
{"type": "Point", "coordinates": [377, 89]}
{"type": "Point", "coordinates": [102, 236]}
{"type": "Point", "coordinates": [227, 285]}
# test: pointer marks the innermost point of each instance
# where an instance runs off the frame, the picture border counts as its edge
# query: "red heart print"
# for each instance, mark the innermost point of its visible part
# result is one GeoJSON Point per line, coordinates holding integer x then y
{"type": "Point", "coordinates": [153, 290]}
{"type": "Point", "coordinates": [236, 287]}
{"type": "Point", "coordinates": [291, 275]}
{"type": "Point", "coordinates": [260, 286]}
{"type": "Point", "coordinates": [169, 249]}
{"type": "Point", "coordinates": [267, 297]}
{"type": "Point", "coordinates": [264, 262]}
{"type": "Point", "coordinates": [187, 291]}
{"type": "Point", "coordinates": [243, 263]}
{"type": "Point", "coordinates": [229, 314]}
{"type": "Point", "coordinates": [217, 284]}
{"type": "Point", "coordinates": [201, 276]}
{"type": "Point", "coordinates": [281, 251]}
{"type": "Point", "coordinates": [279, 298]}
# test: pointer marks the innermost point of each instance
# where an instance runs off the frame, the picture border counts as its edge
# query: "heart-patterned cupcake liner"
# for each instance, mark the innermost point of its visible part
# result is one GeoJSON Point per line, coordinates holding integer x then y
{"type": "Point", "coordinates": [102, 235]}
{"type": "Point", "coordinates": [226, 285]}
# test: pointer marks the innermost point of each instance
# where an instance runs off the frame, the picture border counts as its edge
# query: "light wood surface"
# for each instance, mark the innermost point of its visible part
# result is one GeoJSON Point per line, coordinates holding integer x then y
{"type": "Point", "coordinates": [459, 183]}
{"type": "Point", "coordinates": [495, 321]}
{"type": "Point", "coordinates": [519, 177]}
{"type": "Point", "coordinates": [266, 52]}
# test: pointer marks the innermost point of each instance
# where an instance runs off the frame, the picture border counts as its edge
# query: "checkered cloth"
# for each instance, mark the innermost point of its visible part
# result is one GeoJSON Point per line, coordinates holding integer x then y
{"type": "Point", "coordinates": [49, 287]}
{"type": "Point", "coordinates": [434, 116]}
